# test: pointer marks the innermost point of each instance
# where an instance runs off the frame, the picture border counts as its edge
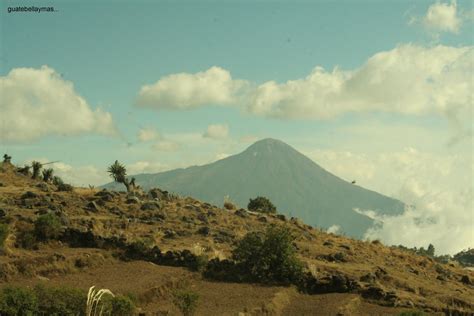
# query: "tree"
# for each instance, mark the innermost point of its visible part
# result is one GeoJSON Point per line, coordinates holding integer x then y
{"type": "Point", "coordinates": [119, 173]}
{"type": "Point", "coordinates": [36, 169]}
{"type": "Point", "coordinates": [261, 204]}
{"type": "Point", "coordinates": [48, 174]}
{"type": "Point", "coordinates": [269, 257]}
{"type": "Point", "coordinates": [7, 158]}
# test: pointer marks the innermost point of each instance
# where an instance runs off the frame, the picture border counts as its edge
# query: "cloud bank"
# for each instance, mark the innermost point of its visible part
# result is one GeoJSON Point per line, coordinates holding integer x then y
{"type": "Point", "coordinates": [217, 131]}
{"type": "Point", "coordinates": [409, 79]}
{"type": "Point", "coordinates": [37, 102]}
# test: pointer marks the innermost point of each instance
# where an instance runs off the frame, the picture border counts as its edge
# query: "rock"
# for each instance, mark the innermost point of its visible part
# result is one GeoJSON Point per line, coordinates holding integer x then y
{"type": "Point", "coordinates": [2, 213]}
{"type": "Point", "coordinates": [327, 243]}
{"type": "Point", "coordinates": [29, 195]}
{"type": "Point", "coordinates": [169, 233]}
{"type": "Point", "coordinates": [132, 200]}
{"type": "Point", "coordinates": [29, 203]}
{"type": "Point", "coordinates": [241, 212]}
{"type": "Point", "coordinates": [369, 278]}
{"type": "Point", "coordinates": [158, 194]}
{"type": "Point", "coordinates": [374, 292]}
{"type": "Point", "coordinates": [204, 231]}
{"type": "Point", "coordinates": [345, 247]}
{"type": "Point", "coordinates": [150, 206]}
{"type": "Point", "coordinates": [465, 279]}
{"type": "Point", "coordinates": [263, 219]}
{"type": "Point", "coordinates": [203, 218]}
{"type": "Point", "coordinates": [43, 187]}
{"type": "Point", "coordinates": [92, 206]}
{"type": "Point", "coordinates": [281, 217]}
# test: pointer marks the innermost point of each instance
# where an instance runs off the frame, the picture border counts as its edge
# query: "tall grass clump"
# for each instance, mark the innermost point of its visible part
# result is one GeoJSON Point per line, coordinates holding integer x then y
{"type": "Point", "coordinates": [94, 307]}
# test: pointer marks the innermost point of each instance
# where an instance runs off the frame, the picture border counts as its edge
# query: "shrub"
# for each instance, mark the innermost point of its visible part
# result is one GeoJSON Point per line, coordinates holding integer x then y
{"type": "Point", "coordinates": [17, 301]}
{"type": "Point", "coordinates": [229, 206]}
{"type": "Point", "coordinates": [60, 300]}
{"type": "Point", "coordinates": [269, 257]}
{"type": "Point", "coordinates": [186, 301]}
{"type": "Point", "coordinates": [261, 204]}
{"type": "Point", "coordinates": [122, 306]}
{"type": "Point", "coordinates": [25, 235]}
{"type": "Point", "coordinates": [412, 313]}
{"type": "Point", "coordinates": [36, 169]}
{"type": "Point", "coordinates": [48, 174]}
{"type": "Point", "coordinates": [3, 235]}
{"type": "Point", "coordinates": [47, 226]}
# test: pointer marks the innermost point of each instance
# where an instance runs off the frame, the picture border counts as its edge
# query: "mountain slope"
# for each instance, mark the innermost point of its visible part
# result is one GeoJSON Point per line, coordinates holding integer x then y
{"type": "Point", "coordinates": [294, 183]}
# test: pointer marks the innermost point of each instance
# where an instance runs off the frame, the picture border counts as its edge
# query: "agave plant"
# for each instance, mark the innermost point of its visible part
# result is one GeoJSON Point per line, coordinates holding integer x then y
{"type": "Point", "coordinates": [94, 297]}
{"type": "Point", "coordinates": [36, 169]}
{"type": "Point", "coordinates": [119, 173]}
{"type": "Point", "coordinates": [48, 174]}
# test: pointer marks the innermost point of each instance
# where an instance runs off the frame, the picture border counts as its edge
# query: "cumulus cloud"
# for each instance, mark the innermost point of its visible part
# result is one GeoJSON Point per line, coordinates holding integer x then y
{"type": "Point", "coordinates": [39, 102]}
{"type": "Point", "coordinates": [148, 134]}
{"type": "Point", "coordinates": [166, 145]}
{"type": "Point", "coordinates": [145, 167]}
{"type": "Point", "coordinates": [217, 131]}
{"type": "Point", "coordinates": [437, 188]}
{"type": "Point", "coordinates": [443, 17]}
{"type": "Point", "coordinates": [184, 91]}
{"type": "Point", "coordinates": [409, 79]}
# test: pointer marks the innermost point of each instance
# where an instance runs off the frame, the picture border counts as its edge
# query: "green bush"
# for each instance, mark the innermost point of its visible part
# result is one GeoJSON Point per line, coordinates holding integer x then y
{"type": "Point", "coordinates": [47, 226]}
{"type": "Point", "coordinates": [122, 306]}
{"type": "Point", "coordinates": [261, 204]}
{"type": "Point", "coordinates": [412, 313]}
{"type": "Point", "coordinates": [25, 235]}
{"type": "Point", "coordinates": [269, 257]}
{"type": "Point", "coordinates": [60, 300]}
{"type": "Point", "coordinates": [186, 301]}
{"type": "Point", "coordinates": [15, 301]}
{"type": "Point", "coordinates": [3, 235]}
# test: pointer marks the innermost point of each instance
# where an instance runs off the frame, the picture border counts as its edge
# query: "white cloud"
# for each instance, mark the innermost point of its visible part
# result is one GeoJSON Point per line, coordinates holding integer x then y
{"type": "Point", "coordinates": [438, 186]}
{"type": "Point", "coordinates": [217, 131]}
{"type": "Point", "coordinates": [183, 91]}
{"type": "Point", "coordinates": [145, 167]}
{"type": "Point", "coordinates": [166, 145]}
{"type": "Point", "coordinates": [38, 102]}
{"type": "Point", "coordinates": [409, 80]}
{"type": "Point", "coordinates": [148, 134]}
{"type": "Point", "coordinates": [443, 17]}
{"type": "Point", "coordinates": [334, 229]}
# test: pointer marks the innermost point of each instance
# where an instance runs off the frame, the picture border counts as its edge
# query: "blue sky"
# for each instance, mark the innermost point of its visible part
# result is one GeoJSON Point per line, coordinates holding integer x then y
{"type": "Point", "coordinates": [110, 50]}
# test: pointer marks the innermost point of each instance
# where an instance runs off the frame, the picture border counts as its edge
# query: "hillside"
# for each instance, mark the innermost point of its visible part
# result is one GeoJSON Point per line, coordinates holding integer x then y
{"type": "Point", "coordinates": [101, 227]}
{"type": "Point", "coordinates": [298, 186]}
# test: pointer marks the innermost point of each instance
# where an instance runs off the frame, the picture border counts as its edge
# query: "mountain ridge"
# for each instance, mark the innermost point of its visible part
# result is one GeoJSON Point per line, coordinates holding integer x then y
{"type": "Point", "coordinates": [297, 185]}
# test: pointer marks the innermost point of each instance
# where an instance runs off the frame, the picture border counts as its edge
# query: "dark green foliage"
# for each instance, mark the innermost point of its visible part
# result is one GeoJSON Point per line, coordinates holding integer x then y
{"type": "Point", "coordinates": [25, 235]}
{"type": "Point", "coordinates": [24, 170]}
{"type": "Point", "coordinates": [199, 264]}
{"type": "Point", "coordinates": [466, 257]}
{"type": "Point", "coordinates": [15, 301]}
{"type": "Point", "coordinates": [119, 173]}
{"type": "Point", "coordinates": [122, 306]}
{"type": "Point", "coordinates": [186, 301]}
{"type": "Point", "coordinates": [47, 226]}
{"type": "Point", "coordinates": [57, 301]}
{"type": "Point", "coordinates": [261, 204]}
{"type": "Point", "coordinates": [7, 158]}
{"type": "Point", "coordinates": [48, 174]}
{"type": "Point", "coordinates": [270, 257]}
{"type": "Point", "coordinates": [3, 235]}
{"type": "Point", "coordinates": [36, 169]}
{"type": "Point", "coordinates": [60, 300]}
{"type": "Point", "coordinates": [57, 181]}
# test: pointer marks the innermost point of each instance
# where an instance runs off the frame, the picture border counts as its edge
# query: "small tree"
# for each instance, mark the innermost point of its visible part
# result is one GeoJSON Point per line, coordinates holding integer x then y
{"type": "Point", "coordinates": [186, 301]}
{"type": "Point", "coordinates": [7, 159]}
{"type": "Point", "coordinates": [48, 174]}
{"type": "Point", "coordinates": [261, 204]}
{"type": "Point", "coordinates": [269, 257]}
{"type": "Point", "coordinates": [119, 173]}
{"type": "Point", "coordinates": [36, 165]}
{"type": "Point", "coordinates": [47, 226]}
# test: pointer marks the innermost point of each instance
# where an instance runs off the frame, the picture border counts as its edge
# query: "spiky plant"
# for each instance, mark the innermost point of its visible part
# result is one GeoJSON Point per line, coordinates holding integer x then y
{"type": "Point", "coordinates": [48, 174]}
{"type": "Point", "coordinates": [36, 165]}
{"type": "Point", "coordinates": [119, 173]}
{"type": "Point", "coordinates": [94, 301]}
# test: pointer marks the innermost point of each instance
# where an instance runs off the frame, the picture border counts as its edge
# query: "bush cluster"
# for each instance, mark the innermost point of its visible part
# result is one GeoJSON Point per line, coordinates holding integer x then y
{"type": "Point", "coordinates": [268, 258]}
{"type": "Point", "coordinates": [47, 226]}
{"type": "Point", "coordinates": [261, 204]}
{"type": "Point", "coordinates": [42, 300]}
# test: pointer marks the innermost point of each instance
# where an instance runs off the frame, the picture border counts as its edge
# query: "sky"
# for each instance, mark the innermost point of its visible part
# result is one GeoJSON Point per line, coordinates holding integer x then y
{"type": "Point", "coordinates": [377, 92]}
